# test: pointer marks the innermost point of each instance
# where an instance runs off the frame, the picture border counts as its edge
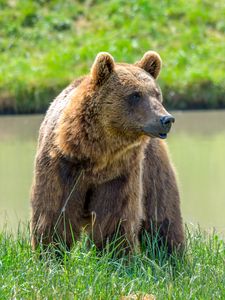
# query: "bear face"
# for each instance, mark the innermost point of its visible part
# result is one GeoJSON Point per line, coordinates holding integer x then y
{"type": "Point", "coordinates": [117, 105]}
{"type": "Point", "coordinates": [132, 103]}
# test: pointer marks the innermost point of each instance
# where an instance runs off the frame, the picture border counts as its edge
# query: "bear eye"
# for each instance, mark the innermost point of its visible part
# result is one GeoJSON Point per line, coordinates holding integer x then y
{"type": "Point", "coordinates": [134, 97]}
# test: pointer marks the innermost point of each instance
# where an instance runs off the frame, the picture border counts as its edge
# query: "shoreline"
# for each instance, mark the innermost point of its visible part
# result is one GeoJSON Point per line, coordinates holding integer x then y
{"type": "Point", "coordinates": [38, 103]}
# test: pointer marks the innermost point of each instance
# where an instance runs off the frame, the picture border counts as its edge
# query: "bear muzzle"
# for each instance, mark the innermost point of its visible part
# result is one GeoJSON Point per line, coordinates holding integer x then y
{"type": "Point", "coordinates": [160, 127]}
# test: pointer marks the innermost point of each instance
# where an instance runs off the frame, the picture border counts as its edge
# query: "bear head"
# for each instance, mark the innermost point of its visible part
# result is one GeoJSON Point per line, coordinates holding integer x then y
{"type": "Point", "coordinates": [131, 98]}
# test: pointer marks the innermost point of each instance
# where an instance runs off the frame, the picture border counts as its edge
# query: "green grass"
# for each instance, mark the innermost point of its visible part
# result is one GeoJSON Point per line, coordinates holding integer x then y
{"type": "Point", "coordinates": [46, 44]}
{"type": "Point", "coordinates": [83, 274]}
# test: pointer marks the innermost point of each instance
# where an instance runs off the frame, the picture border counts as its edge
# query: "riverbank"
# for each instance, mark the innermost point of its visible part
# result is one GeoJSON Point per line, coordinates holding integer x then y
{"type": "Point", "coordinates": [86, 275]}
{"type": "Point", "coordinates": [46, 44]}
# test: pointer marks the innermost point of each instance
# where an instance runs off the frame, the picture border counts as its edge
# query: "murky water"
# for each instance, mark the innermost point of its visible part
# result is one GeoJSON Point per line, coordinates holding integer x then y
{"type": "Point", "coordinates": [197, 146]}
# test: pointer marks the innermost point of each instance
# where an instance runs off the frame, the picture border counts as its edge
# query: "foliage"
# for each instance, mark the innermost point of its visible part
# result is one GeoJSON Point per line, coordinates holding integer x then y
{"type": "Point", "coordinates": [46, 44]}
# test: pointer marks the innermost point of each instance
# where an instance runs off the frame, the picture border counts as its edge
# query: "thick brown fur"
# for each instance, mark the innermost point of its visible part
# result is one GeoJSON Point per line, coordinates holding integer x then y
{"type": "Point", "coordinates": [96, 160]}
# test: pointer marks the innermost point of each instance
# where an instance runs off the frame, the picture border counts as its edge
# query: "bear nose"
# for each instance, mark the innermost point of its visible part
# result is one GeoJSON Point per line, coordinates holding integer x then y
{"type": "Point", "coordinates": [166, 121]}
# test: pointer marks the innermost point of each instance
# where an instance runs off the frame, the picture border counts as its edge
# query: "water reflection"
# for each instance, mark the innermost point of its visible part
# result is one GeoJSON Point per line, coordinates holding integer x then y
{"type": "Point", "coordinates": [197, 146]}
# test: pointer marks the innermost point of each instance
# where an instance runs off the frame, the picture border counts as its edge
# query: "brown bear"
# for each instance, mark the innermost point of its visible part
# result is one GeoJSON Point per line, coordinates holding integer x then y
{"type": "Point", "coordinates": [101, 161]}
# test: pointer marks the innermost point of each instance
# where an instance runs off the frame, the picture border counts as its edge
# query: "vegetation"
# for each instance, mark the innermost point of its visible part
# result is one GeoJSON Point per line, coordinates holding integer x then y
{"type": "Point", "coordinates": [84, 274]}
{"type": "Point", "coordinates": [46, 44]}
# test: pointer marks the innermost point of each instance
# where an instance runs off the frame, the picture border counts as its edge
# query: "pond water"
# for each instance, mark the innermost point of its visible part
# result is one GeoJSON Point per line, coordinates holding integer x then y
{"type": "Point", "coordinates": [197, 147]}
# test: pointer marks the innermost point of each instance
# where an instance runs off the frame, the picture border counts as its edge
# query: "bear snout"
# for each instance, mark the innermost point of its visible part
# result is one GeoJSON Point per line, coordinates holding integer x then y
{"type": "Point", "coordinates": [160, 127]}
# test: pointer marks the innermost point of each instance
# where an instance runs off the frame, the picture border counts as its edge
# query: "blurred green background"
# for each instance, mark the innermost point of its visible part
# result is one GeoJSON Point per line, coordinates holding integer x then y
{"type": "Point", "coordinates": [46, 44]}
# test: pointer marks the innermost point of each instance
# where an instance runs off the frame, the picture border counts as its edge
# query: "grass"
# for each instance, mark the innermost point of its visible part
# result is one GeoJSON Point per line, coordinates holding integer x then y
{"type": "Point", "coordinates": [46, 44]}
{"type": "Point", "coordinates": [83, 274]}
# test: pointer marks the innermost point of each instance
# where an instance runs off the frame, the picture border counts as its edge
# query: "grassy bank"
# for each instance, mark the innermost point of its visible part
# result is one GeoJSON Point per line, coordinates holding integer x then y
{"type": "Point", "coordinates": [45, 44]}
{"type": "Point", "coordinates": [85, 275]}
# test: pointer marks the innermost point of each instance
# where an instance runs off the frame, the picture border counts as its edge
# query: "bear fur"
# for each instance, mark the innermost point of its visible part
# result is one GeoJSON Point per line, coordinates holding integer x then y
{"type": "Point", "coordinates": [101, 162]}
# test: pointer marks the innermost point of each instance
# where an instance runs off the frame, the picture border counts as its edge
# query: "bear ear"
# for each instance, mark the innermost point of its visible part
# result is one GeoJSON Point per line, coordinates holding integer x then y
{"type": "Point", "coordinates": [102, 67]}
{"type": "Point", "coordinates": [151, 63]}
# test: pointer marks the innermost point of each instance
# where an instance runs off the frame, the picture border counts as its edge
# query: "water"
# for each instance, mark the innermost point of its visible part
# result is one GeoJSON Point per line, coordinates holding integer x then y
{"type": "Point", "coordinates": [197, 146]}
